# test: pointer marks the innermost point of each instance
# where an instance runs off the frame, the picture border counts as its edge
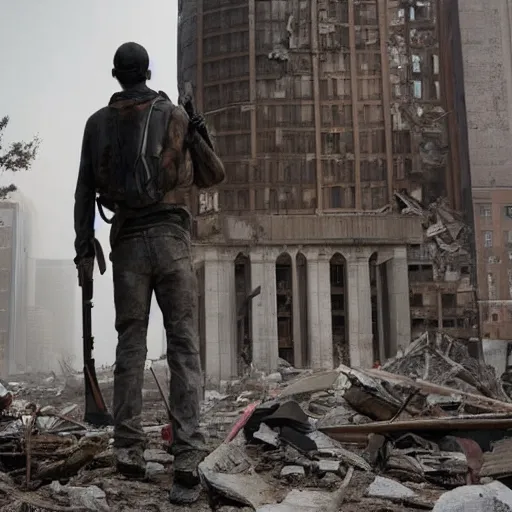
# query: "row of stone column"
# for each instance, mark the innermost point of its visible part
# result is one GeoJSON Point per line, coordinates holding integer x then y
{"type": "Point", "coordinates": [220, 307]}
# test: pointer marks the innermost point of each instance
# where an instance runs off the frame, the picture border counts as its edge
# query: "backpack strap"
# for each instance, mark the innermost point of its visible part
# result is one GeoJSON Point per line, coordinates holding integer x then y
{"type": "Point", "coordinates": [144, 143]}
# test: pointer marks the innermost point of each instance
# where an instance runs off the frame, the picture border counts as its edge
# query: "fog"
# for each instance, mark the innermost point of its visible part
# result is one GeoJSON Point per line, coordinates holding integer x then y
{"type": "Point", "coordinates": [55, 61]}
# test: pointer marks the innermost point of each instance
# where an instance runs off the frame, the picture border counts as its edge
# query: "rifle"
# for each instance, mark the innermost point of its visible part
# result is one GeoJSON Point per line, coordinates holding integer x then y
{"type": "Point", "coordinates": [196, 119]}
{"type": "Point", "coordinates": [96, 412]}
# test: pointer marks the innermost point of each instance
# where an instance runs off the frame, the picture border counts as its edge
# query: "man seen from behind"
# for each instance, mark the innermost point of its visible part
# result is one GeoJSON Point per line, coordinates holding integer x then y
{"type": "Point", "coordinates": [141, 155]}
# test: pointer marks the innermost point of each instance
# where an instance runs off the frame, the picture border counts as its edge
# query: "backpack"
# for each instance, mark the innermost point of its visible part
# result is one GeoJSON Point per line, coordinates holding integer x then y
{"type": "Point", "coordinates": [133, 172]}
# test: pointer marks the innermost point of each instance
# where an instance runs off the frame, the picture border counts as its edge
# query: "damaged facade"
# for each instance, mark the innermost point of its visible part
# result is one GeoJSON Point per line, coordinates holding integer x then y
{"type": "Point", "coordinates": [342, 129]}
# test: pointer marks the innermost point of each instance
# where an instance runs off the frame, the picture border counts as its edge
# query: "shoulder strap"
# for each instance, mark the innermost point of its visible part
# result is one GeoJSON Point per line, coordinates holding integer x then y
{"type": "Point", "coordinates": [146, 130]}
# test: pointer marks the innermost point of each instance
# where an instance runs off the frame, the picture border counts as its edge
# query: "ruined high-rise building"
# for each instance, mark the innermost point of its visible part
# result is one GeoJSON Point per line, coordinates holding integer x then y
{"type": "Point", "coordinates": [342, 127]}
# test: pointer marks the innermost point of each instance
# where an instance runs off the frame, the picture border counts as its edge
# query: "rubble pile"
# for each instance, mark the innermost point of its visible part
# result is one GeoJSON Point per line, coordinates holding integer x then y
{"type": "Point", "coordinates": [396, 438]}
{"type": "Point", "coordinates": [440, 359]}
{"type": "Point", "coordinates": [446, 234]}
{"type": "Point", "coordinates": [425, 431]}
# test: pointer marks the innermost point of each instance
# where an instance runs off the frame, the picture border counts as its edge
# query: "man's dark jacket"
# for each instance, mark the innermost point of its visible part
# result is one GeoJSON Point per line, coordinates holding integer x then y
{"type": "Point", "coordinates": [97, 147]}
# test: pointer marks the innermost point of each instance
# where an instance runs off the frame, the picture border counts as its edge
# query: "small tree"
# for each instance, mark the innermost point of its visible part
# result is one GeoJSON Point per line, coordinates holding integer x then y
{"type": "Point", "coordinates": [19, 156]}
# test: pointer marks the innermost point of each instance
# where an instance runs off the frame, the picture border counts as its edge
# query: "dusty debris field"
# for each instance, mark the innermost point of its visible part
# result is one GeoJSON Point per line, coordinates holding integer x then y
{"type": "Point", "coordinates": [427, 431]}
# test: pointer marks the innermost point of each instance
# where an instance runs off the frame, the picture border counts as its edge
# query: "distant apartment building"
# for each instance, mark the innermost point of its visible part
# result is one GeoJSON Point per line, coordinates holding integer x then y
{"type": "Point", "coordinates": [487, 43]}
{"type": "Point", "coordinates": [51, 314]}
{"type": "Point", "coordinates": [493, 225]}
{"type": "Point", "coordinates": [8, 296]}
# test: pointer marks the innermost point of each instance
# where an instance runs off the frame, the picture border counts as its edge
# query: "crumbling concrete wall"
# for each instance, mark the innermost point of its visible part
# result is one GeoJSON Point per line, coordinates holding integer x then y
{"type": "Point", "coordinates": [420, 129]}
{"type": "Point", "coordinates": [487, 54]}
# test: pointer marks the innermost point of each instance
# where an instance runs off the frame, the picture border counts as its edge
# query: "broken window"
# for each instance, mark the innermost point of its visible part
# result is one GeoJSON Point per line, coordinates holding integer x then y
{"type": "Point", "coordinates": [435, 64]}
{"type": "Point", "coordinates": [401, 141]}
{"type": "Point", "coordinates": [449, 300]}
{"type": "Point", "coordinates": [421, 273]}
{"type": "Point", "coordinates": [495, 317]}
{"type": "Point", "coordinates": [417, 300]}
{"type": "Point", "coordinates": [335, 197]}
{"type": "Point", "coordinates": [487, 238]}
{"type": "Point", "coordinates": [419, 323]}
{"type": "Point", "coordinates": [417, 89]}
{"type": "Point", "coordinates": [491, 286]}
{"type": "Point", "coordinates": [366, 14]}
{"type": "Point", "coordinates": [416, 64]}
{"type": "Point", "coordinates": [422, 11]}
{"type": "Point", "coordinates": [243, 200]}
{"type": "Point", "coordinates": [228, 201]}
{"type": "Point", "coordinates": [486, 210]}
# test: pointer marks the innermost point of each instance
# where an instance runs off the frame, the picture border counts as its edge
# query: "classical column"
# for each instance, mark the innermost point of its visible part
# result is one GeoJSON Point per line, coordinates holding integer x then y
{"type": "Point", "coordinates": [358, 289]}
{"type": "Point", "coordinates": [220, 315]}
{"type": "Point", "coordinates": [398, 297]}
{"type": "Point", "coordinates": [319, 310]}
{"type": "Point", "coordinates": [380, 315]}
{"type": "Point", "coordinates": [297, 338]}
{"type": "Point", "coordinates": [265, 350]}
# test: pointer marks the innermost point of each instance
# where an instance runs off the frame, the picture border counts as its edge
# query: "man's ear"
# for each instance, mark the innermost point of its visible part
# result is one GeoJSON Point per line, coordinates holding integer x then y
{"type": "Point", "coordinates": [148, 74]}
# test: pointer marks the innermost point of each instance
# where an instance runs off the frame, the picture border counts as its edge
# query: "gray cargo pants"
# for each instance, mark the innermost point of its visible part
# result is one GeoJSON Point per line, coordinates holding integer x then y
{"type": "Point", "coordinates": [156, 259]}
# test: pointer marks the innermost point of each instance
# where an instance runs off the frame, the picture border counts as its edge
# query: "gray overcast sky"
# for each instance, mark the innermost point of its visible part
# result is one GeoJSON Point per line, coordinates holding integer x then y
{"type": "Point", "coordinates": [55, 61]}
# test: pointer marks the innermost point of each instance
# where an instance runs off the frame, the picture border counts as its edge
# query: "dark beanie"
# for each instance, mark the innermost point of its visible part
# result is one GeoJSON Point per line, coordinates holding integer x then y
{"type": "Point", "coordinates": [131, 62]}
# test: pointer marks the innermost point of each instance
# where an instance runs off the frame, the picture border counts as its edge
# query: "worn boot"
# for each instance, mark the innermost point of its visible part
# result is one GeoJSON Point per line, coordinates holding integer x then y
{"type": "Point", "coordinates": [130, 461]}
{"type": "Point", "coordinates": [186, 487]}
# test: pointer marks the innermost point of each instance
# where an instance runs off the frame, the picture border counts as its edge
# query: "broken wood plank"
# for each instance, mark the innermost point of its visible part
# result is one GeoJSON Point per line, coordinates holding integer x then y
{"type": "Point", "coordinates": [436, 424]}
{"type": "Point", "coordinates": [491, 403]}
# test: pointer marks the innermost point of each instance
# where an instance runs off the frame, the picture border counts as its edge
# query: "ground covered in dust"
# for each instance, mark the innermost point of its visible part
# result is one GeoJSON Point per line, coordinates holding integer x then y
{"type": "Point", "coordinates": [121, 494]}
{"type": "Point", "coordinates": [378, 440]}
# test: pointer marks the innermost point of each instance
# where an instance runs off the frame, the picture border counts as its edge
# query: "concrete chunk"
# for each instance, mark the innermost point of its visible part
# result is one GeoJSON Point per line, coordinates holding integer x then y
{"type": "Point", "coordinates": [304, 501]}
{"type": "Point", "coordinates": [386, 488]}
{"type": "Point", "coordinates": [267, 435]}
{"type": "Point", "coordinates": [293, 471]}
{"type": "Point", "coordinates": [328, 466]}
{"type": "Point", "coordinates": [154, 469]}
{"type": "Point", "coordinates": [229, 472]}
{"type": "Point", "coordinates": [160, 456]}
{"type": "Point", "coordinates": [493, 497]}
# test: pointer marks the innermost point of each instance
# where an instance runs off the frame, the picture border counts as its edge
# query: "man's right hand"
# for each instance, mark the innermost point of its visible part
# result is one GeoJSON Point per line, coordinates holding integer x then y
{"type": "Point", "coordinates": [85, 267]}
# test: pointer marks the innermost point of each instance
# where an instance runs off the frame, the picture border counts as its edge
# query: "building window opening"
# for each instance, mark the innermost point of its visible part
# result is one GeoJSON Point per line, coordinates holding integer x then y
{"type": "Point", "coordinates": [243, 308]}
{"type": "Point", "coordinates": [374, 290]}
{"type": "Point", "coordinates": [417, 300]}
{"type": "Point", "coordinates": [449, 300]}
{"type": "Point", "coordinates": [421, 273]}
{"type": "Point", "coordinates": [486, 211]}
{"type": "Point", "coordinates": [302, 280]}
{"type": "Point", "coordinates": [284, 307]}
{"type": "Point", "coordinates": [418, 325]}
{"type": "Point", "coordinates": [487, 238]}
{"type": "Point", "coordinates": [341, 353]}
